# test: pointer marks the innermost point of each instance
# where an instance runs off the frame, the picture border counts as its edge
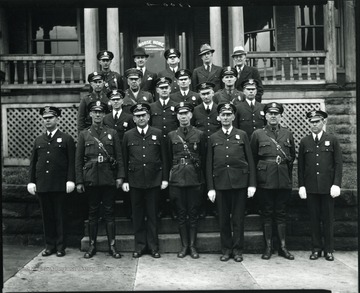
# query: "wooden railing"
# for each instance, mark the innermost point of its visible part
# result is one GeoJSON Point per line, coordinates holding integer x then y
{"type": "Point", "coordinates": [43, 71]}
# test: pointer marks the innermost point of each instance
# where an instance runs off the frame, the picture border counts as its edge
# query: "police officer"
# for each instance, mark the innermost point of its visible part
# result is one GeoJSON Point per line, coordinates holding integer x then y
{"type": "Point", "coordinates": [274, 153]}
{"type": "Point", "coordinates": [99, 169]}
{"type": "Point", "coordinates": [52, 175]}
{"type": "Point", "coordinates": [146, 173]}
{"type": "Point", "coordinates": [172, 57]}
{"type": "Point", "coordinates": [320, 174]}
{"type": "Point", "coordinates": [229, 94]}
{"type": "Point", "coordinates": [112, 79]}
{"type": "Point", "coordinates": [97, 83]}
{"type": "Point", "coordinates": [183, 77]}
{"type": "Point", "coordinates": [187, 155]}
{"type": "Point", "coordinates": [134, 94]}
{"type": "Point", "coordinates": [230, 173]}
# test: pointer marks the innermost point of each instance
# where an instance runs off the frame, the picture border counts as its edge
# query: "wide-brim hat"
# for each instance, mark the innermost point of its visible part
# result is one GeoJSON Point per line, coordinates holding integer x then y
{"type": "Point", "coordinates": [238, 51]}
{"type": "Point", "coordinates": [140, 51]}
{"type": "Point", "coordinates": [205, 48]}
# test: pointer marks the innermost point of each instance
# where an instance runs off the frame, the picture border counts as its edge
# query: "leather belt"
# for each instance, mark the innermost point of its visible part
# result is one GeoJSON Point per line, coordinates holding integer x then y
{"type": "Point", "coordinates": [99, 159]}
{"type": "Point", "coordinates": [182, 161]}
{"type": "Point", "coordinates": [278, 160]}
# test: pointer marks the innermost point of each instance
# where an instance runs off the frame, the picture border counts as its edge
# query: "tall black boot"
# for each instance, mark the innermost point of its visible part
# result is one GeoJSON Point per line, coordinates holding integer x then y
{"type": "Point", "coordinates": [282, 250]}
{"type": "Point", "coordinates": [268, 241]}
{"type": "Point", "coordinates": [184, 241]}
{"type": "Point", "coordinates": [110, 231]}
{"type": "Point", "coordinates": [193, 251]}
{"type": "Point", "coordinates": [93, 227]}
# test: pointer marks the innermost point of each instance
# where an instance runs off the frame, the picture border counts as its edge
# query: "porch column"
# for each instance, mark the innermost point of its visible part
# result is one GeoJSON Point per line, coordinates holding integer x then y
{"type": "Point", "coordinates": [215, 34]}
{"type": "Point", "coordinates": [113, 36]}
{"type": "Point", "coordinates": [330, 42]}
{"type": "Point", "coordinates": [4, 36]}
{"type": "Point", "coordinates": [349, 41]}
{"type": "Point", "coordinates": [91, 31]}
{"type": "Point", "coordinates": [236, 28]}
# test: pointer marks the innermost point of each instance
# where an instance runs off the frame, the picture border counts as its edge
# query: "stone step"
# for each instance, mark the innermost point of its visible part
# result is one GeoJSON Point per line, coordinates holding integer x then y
{"type": "Point", "coordinates": [169, 226]}
{"type": "Point", "coordinates": [170, 243]}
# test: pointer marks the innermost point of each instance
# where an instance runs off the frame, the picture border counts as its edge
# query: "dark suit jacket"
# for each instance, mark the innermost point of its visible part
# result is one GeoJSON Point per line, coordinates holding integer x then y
{"type": "Point", "coordinates": [164, 119]}
{"type": "Point", "coordinates": [123, 124]}
{"type": "Point", "coordinates": [200, 75]}
{"type": "Point", "coordinates": [248, 119]}
{"type": "Point", "coordinates": [52, 162]}
{"type": "Point", "coordinates": [229, 163]}
{"type": "Point", "coordinates": [247, 73]}
{"type": "Point", "coordinates": [207, 123]}
{"type": "Point", "coordinates": [221, 96]}
{"type": "Point", "coordinates": [148, 82]}
{"type": "Point", "coordinates": [320, 165]}
{"type": "Point", "coordinates": [130, 100]}
{"type": "Point", "coordinates": [192, 98]}
{"type": "Point", "coordinates": [146, 159]}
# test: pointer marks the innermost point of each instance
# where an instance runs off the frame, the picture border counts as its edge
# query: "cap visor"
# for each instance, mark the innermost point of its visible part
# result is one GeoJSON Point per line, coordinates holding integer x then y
{"type": "Point", "coordinates": [138, 113]}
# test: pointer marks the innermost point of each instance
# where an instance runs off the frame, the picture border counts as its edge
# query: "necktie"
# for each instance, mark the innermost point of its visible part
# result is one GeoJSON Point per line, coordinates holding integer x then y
{"type": "Point", "coordinates": [116, 116]}
{"type": "Point", "coordinates": [316, 139]}
{"type": "Point", "coordinates": [209, 68]}
{"type": "Point", "coordinates": [185, 130]}
{"type": "Point", "coordinates": [227, 133]}
{"type": "Point", "coordinates": [142, 133]}
{"type": "Point", "coordinates": [208, 109]}
{"type": "Point", "coordinates": [184, 94]}
{"type": "Point", "coordinates": [49, 135]}
{"type": "Point", "coordinates": [252, 106]}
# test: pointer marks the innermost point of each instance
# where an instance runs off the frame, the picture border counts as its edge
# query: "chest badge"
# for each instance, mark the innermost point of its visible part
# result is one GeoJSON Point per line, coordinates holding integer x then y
{"type": "Point", "coordinates": [327, 143]}
{"type": "Point", "coordinates": [195, 146]}
{"type": "Point", "coordinates": [172, 108]}
{"type": "Point", "coordinates": [237, 136]}
{"type": "Point", "coordinates": [59, 139]}
{"type": "Point", "coordinates": [125, 124]}
{"type": "Point", "coordinates": [193, 98]}
{"type": "Point", "coordinates": [109, 136]}
{"type": "Point", "coordinates": [262, 113]}
{"type": "Point", "coordinates": [153, 137]}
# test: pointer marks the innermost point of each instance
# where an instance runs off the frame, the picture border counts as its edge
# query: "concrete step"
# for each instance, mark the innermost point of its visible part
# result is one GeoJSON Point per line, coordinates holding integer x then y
{"type": "Point", "coordinates": [169, 226]}
{"type": "Point", "coordinates": [206, 242]}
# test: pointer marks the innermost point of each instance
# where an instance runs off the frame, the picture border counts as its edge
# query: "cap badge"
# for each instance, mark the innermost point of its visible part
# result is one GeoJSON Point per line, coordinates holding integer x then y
{"type": "Point", "coordinates": [251, 81]}
{"type": "Point", "coordinates": [95, 73]}
{"type": "Point", "coordinates": [227, 106]}
{"type": "Point", "coordinates": [182, 72]}
{"type": "Point", "coordinates": [47, 109]}
{"type": "Point", "coordinates": [203, 85]}
{"type": "Point", "coordinates": [162, 79]}
{"type": "Point", "coordinates": [172, 51]}
{"type": "Point", "coordinates": [139, 106]}
{"type": "Point", "coordinates": [98, 103]}
{"type": "Point", "coordinates": [181, 104]}
{"type": "Point", "coordinates": [273, 105]}
{"type": "Point", "coordinates": [109, 136]}
{"type": "Point", "coordinates": [105, 53]}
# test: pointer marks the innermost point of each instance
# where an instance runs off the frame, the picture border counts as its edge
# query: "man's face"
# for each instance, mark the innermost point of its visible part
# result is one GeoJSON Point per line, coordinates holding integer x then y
{"type": "Point", "coordinates": [250, 92]}
{"type": "Point", "coordinates": [97, 85]}
{"type": "Point", "coordinates": [184, 82]}
{"type": "Point", "coordinates": [50, 122]}
{"type": "Point", "coordinates": [105, 64]}
{"type": "Point", "coordinates": [229, 80]}
{"type": "Point", "coordinates": [206, 95]}
{"type": "Point", "coordinates": [207, 57]}
{"type": "Point", "coordinates": [173, 60]}
{"type": "Point", "coordinates": [164, 91]}
{"type": "Point", "coordinates": [273, 118]}
{"type": "Point", "coordinates": [141, 120]}
{"type": "Point", "coordinates": [239, 60]}
{"type": "Point", "coordinates": [134, 82]}
{"type": "Point", "coordinates": [116, 103]}
{"type": "Point", "coordinates": [317, 125]}
{"type": "Point", "coordinates": [140, 61]}
{"type": "Point", "coordinates": [184, 118]}
{"type": "Point", "coordinates": [97, 116]}
{"type": "Point", "coordinates": [226, 119]}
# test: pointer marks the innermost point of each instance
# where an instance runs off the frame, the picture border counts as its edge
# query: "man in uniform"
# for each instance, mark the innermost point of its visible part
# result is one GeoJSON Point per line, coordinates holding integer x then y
{"type": "Point", "coordinates": [99, 169]}
{"type": "Point", "coordinates": [146, 173]}
{"type": "Point", "coordinates": [273, 149]}
{"type": "Point", "coordinates": [246, 72]}
{"type": "Point", "coordinates": [112, 79]}
{"type": "Point", "coordinates": [187, 154]}
{"type": "Point", "coordinates": [183, 77]}
{"type": "Point", "coordinates": [208, 72]}
{"type": "Point", "coordinates": [52, 175]}
{"type": "Point", "coordinates": [96, 81]}
{"type": "Point", "coordinates": [134, 94]}
{"type": "Point", "coordinates": [230, 173]}
{"type": "Point", "coordinates": [229, 94]}
{"type": "Point", "coordinates": [172, 57]}
{"type": "Point", "coordinates": [320, 174]}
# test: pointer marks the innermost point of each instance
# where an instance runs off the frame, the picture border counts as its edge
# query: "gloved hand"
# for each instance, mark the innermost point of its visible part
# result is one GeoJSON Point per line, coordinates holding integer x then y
{"type": "Point", "coordinates": [164, 184]}
{"type": "Point", "coordinates": [251, 191]}
{"type": "Point", "coordinates": [302, 192]}
{"type": "Point", "coordinates": [80, 188]}
{"type": "Point", "coordinates": [335, 191]}
{"type": "Point", "coordinates": [125, 187]}
{"type": "Point", "coordinates": [118, 182]}
{"type": "Point", "coordinates": [212, 195]}
{"type": "Point", "coordinates": [31, 188]}
{"type": "Point", "coordinates": [70, 186]}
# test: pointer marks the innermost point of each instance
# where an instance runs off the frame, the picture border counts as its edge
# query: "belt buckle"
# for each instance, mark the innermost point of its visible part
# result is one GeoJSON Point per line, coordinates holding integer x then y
{"type": "Point", "coordinates": [278, 160]}
{"type": "Point", "coordinates": [182, 161]}
{"type": "Point", "coordinates": [100, 159]}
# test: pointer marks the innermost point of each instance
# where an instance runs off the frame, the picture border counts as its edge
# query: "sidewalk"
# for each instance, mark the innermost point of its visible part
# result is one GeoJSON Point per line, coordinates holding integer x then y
{"type": "Point", "coordinates": [103, 273]}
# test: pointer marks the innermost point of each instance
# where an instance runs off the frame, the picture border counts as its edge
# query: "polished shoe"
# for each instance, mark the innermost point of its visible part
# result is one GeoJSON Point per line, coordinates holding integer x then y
{"type": "Point", "coordinates": [193, 252]}
{"type": "Point", "coordinates": [182, 253]}
{"type": "Point", "coordinates": [48, 252]}
{"type": "Point", "coordinates": [60, 253]}
{"type": "Point", "coordinates": [285, 253]}
{"type": "Point", "coordinates": [136, 254]}
{"type": "Point", "coordinates": [267, 253]}
{"type": "Point", "coordinates": [315, 255]}
{"type": "Point", "coordinates": [155, 254]}
{"type": "Point", "coordinates": [225, 257]}
{"type": "Point", "coordinates": [90, 253]}
{"type": "Point", "coordinates": [113, 252]}
{"type": "Point", "coordinates": [329, 256]}
{"type": "Point", "coordinates": [238, 258]}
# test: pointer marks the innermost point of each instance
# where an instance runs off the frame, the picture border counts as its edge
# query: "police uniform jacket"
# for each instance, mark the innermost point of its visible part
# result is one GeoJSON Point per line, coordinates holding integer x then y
{"type": "Point", "coordinates": [121, 125]}
{"type": "Point", "coordinates": [130, 100]}
{"type": "Point", "coordinates": [273, 173]}
{"type": "Point", "coordinates": [320, 165]}
{"type": "Point", "coordinates": [183, 171]}
{"type": "Point", "coordinates": [113, 81]}
{"type": "Point", "coordinates": [191, 97]}
{"type": "Point", "coordinates": [249, 119]}
{"type": "Point", "coordinates": [171, 74]}
{"type": "Point", "coordinates": [205, 122]}
{"type": "Point", "coordinates": [52, 162]}
{"type": "Point", "coordinates": [236, 97]}
{"type": "Point", "coordinates": [164, 118]}
{"type": "Point", "coordinates": [249, 72]}
{"type": "Point", "coordinates": [93, 167]}
{"type": "Point", "coordinates": [83, 118]}
{"type": "Point", "coordinates": [146, 160]}
{"type": "Point", "coordinates": [229, 163]}
{"type": "Point", "coordinates": [200, 75]}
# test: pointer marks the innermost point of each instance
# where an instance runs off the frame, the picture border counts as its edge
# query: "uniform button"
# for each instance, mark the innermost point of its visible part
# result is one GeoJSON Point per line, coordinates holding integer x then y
{"type": "Point", "coordinates": [144, 156]}
{"type": "Point", "coordinates": [47, 162]}
{"type": "Point", "coordinates": [48, 152]}
{"type": "Point", "coordinates": [317, 164]}
{"type": "Point", "coordinates": [143, 147]}
{"type": "Point", "coordinates": [48, 142]}
{"type": "Point", "coordinates": [164, 126]}
{"type": "Point", "coordinates": [47, 171]}
{"type": "Point", "coordinates": [317, 173]}
{"type": "Point", "coordinates": [317, 155]}
{"type": "Point", "coordinates": [227, 166]}
{"type": "Point", "coordinates": [227, 147]}
{"type": "Point", "coordinates": [164, 118]}
{"type": "Point", "coordinates": [253, 114]}
{"type": "Point", "coordinates": [144, 164]}
{"type": "Point", "coordinates": [317, 146]}
{"type": "Point", "coordinates": [254, 121]}
{"type": "Point", "coordinates": [208, 118]}
{"type": "Point", "coordinates": [227, 156]}
{"type": "Point", "coordinates": [208, 130]}
{"type": "Point", "coordinates": [227, 139]}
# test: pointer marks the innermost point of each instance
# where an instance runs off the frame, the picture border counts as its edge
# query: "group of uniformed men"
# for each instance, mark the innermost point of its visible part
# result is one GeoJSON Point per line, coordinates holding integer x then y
{"type": "Point", "coordinates": [170, 141]}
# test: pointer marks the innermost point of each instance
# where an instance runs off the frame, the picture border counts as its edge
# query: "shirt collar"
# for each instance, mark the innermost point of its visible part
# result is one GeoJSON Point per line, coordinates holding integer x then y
{"type": "Point", "coordinates": [227, 130]}
{"type": "Point", "coordinates": [210, 105]}
{"type": "Point", "coordinates": [117, 112]}
{"type": "Point", "coordinates": [52, 132]}
{"type": "Point", "coordinates": [164, 101]}
{"type": "Point", "coordinates": [145, 129]}
{"type": "Point", "coordinates": [319, 135]}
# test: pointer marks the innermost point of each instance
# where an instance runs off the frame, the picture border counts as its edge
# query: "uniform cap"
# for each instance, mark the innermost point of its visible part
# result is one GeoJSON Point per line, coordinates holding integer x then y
{"type": "Point", "coordinates": [239, 50]}
{"type": "Point", "coordinates": [172, 52]}
{"type": "Point", "coordinates": [105, 54]}
{"type": "Point", "coordinates": [228, 70]}
{"type": "Point", "coordinates": [226, 108]}
{"type": "Point", "coordinates": [249, 82]}
{"type": "Point", "coordinates": [94, 76]}
{"type": "Point", "coordinates": [163, 80]}
{"type": "Point", "coordinates": [140, 109]}
{"type": "Point", "coordinates": [205, 48]}
{"type": "Point", "coordinates": [183, 107]}
{"type": "Point", "coordinates": [97, 106]}
{"type": "Point", "coordinates": [50, 111]}
{"type": "Point", "coordinates": [116, 94]}
{"type": "Point", "coordinates": [205, 86]}
{"type": "Point", "coordinates": [182, 72]}
{"type": "Point", "coordinates": [133, 72]}
{"type": "Point", "coordinates": [274, 108]}
{"type": "Point", "coordinates": [316, 115]}
{"type": "Point", "coordinates": [139, 51]}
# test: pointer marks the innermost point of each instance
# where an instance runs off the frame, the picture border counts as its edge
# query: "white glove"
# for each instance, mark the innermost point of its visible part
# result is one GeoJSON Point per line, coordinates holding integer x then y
{"type": "Point", "coordinates": [70, 186]}
{"type": "Point", "coordinates": [125, 187]}
{"type": "Point", "coordinates": [212, 195]}
{"type": "Point", "coordinates": [251, 191]}
{"type": "Point", "coordinates": [335, 191]}
{"type": "Point", "coordinates": [118, 182]}
{"type": "Point", "coordinates": [164, 184]}
{"type": "Point", "coordinates": [302, 192]}
{"type": "Point", "coordinates": [31, 188]}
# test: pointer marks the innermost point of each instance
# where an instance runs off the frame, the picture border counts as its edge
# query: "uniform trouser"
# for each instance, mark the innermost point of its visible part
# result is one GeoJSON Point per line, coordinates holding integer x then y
{"type": "Point", "coordinates": [144, 202]}
{"type": "Point", "coordinates": [97, 195]}
{"type": "Point", "coordinates": [321, 209]}
{"type": "Point", "coordinates": [273, 205]}
{"type": "Point", "coordinates": [186, 200]}
{"type": "Point", "coordinates": [52, 209]}
{"type": "Point", "coordinates": [231, 202]}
